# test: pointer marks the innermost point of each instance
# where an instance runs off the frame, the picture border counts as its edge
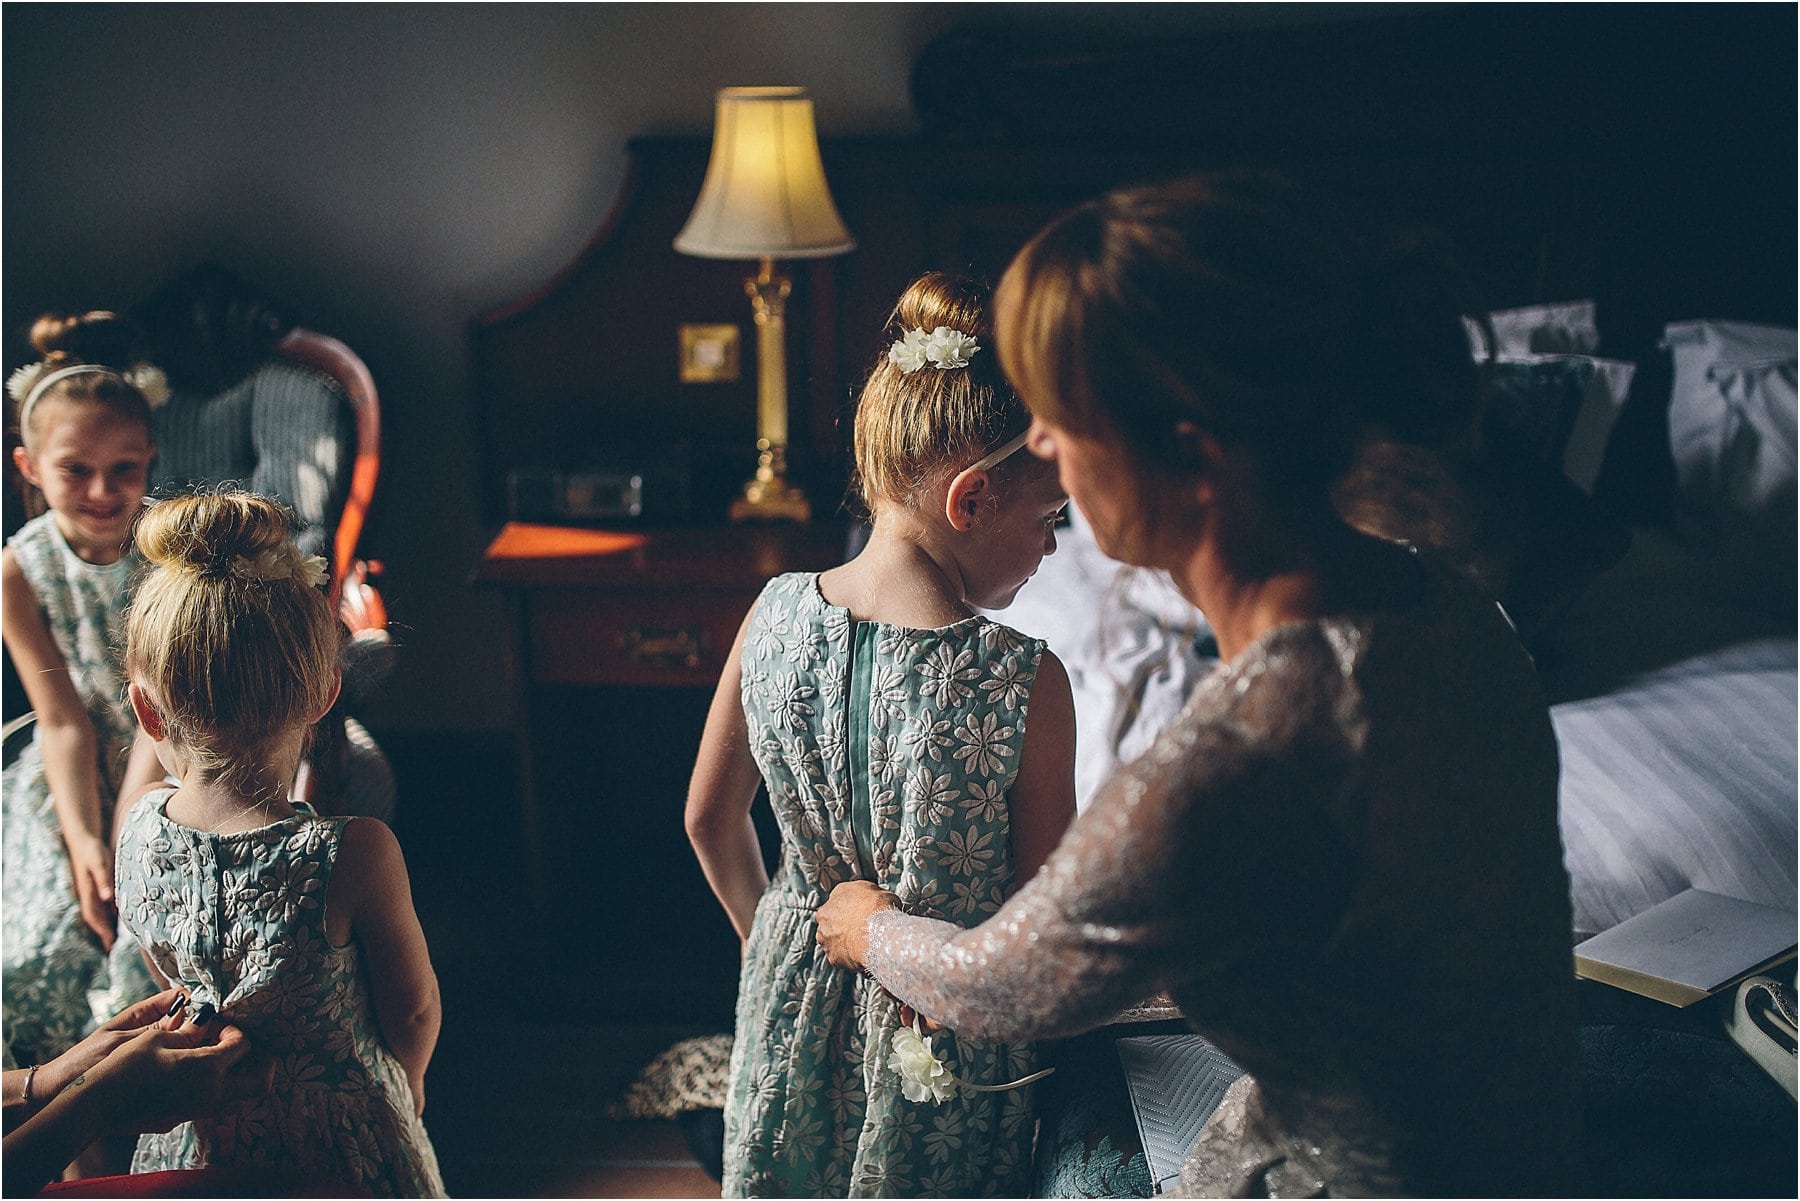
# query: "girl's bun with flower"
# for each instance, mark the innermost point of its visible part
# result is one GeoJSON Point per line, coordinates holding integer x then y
{"type": "Point", "coordinates": [226, 534]}
{"type": "Point", "coordinates": [228, 636]}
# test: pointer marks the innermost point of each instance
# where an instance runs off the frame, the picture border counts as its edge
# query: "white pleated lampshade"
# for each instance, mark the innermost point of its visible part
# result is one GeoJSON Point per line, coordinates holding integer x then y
{"type": "Point", "coordinates": [765, 194]}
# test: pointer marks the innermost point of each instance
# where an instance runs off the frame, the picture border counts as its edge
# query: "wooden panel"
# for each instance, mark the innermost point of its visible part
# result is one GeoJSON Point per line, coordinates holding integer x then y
{"type": "Point", "coordinates": [654, 636]}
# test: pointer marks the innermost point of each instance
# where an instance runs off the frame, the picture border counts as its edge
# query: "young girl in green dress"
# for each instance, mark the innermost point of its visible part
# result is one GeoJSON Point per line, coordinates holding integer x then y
{"type": "Point", "coordinates": [297, 928]}
{"type": "Point", "coordinates": [903, 738]}
{"type": "Point", "coordinates": [84, 428]}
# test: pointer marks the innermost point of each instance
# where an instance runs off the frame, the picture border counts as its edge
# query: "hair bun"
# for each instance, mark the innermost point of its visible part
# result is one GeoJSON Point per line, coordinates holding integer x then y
{"type": "Point", "coordinates": [99, 337]}
{"type": "Point", "coordinates": [939, 299]}
{"type": "Point", "coordinates": [206, 533]}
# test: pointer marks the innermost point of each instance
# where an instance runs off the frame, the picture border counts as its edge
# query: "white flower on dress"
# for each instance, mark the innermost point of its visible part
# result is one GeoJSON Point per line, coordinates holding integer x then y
{"type": "Point", "coordinates": [888, 693]}
{"type": "Point", "coordinates": [767, 636]}
{"type": "Point", "coordinates": [828, 1178]}
{"type": "Point", "coordinates": [884, 759]}
{"type": "Point", "coordinates": [946, 1137]}
{"type": "Point", "coordinates": [986, 801]}
{"type": "Point", "coordinates": [289, 887]}
{"type": "Point", "coordinates": [929, 900]}
{"type": "Point", "coordinates": [931, 798]}
{"type": "Point", "coordinates": [927, 739]}
{"type": "Point", "coordinates": [798, 1135]}
{"type": "Point", "coordinates": [923, 1076]}
{"type": "Point", "coordinates": [1010, 684]}
{"type": "Point", "coordinates": [965, 853]}
{"type": "Point", "coordinates": [943, 674]}
{"type": "Point", "coordinates": [984, 744]}
{"type": "Point", "coordinates": [794, 696]}
{"type": "Point", "coordinates": [817, 865]}
{"type": "Point", "coordinates": [968, 896]}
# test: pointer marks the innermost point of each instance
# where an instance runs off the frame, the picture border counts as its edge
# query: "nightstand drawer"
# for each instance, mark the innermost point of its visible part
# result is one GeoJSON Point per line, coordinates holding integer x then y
{"type": "Point", "coordinates": [659, 637]}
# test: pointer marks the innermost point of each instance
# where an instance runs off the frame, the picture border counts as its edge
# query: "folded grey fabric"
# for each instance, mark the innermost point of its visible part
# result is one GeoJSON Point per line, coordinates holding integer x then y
{"type": "Point", "coordinates": [1175, 1081]}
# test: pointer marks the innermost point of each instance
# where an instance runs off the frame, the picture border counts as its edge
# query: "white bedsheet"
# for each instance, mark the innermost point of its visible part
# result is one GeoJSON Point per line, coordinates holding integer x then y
{"type": "Point", "coordinates": [1131, 643]}
{"type": "Point", "coordinates": [1683, 777]}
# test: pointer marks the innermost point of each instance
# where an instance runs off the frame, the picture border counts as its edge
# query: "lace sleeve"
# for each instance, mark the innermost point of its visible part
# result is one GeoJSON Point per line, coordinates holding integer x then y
{"type": "Point", "coordinates": [1215, 848]}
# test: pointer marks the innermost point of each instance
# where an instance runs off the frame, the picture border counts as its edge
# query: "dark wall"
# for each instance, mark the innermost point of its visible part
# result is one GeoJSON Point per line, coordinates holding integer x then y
{"type": "Point", "coordinates": [391, 171]}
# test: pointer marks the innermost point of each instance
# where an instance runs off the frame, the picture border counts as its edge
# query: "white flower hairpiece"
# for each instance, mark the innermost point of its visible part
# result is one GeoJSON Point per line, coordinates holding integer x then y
{"type": "Point", "coordinates": [283, 563]}
{"type": "Point", "coordinates": [923, 1076]}
{"type": "Point", "coordinates": [149, 379]}
{"type": "Point", "coordinates": [943, 348]}
{"type": "Point", "coordinates": [31, 381]}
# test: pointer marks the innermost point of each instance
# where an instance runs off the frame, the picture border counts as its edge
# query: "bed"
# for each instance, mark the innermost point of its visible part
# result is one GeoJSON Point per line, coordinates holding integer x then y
{"type": "Point", "coordinates": [1600, 175]}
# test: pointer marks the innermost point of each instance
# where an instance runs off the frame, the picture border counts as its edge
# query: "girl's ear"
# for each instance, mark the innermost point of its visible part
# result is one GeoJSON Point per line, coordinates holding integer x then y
{"type": "Point", "coordinates": [148, 718]}
{"type": "Point", "coordinates": [337, 686]}
{"type": "Point", "coordinates": [27, 467]}
{"type": "Point", "coordinates": [963, 499]}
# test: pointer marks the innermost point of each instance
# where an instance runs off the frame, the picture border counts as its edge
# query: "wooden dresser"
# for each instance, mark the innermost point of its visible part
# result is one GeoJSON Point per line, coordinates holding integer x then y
{"type": "Point", "coordinates": [615, 641]}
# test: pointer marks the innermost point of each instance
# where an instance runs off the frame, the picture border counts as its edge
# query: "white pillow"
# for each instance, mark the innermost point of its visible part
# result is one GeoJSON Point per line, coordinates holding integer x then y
{"type": "Point", "coordinates": [1732, 434]}
{"type": "Point", "coordinates": [1566, 327]}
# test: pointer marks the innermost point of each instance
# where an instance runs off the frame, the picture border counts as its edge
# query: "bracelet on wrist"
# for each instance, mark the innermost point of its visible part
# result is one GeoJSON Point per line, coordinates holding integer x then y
{"type": "Point", "coordinates": [25, 1096]}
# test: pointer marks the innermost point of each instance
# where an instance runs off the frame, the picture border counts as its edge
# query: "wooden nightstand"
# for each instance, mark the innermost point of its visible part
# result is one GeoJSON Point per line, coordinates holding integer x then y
{"type": "Point", "coordinates": [615, 644]}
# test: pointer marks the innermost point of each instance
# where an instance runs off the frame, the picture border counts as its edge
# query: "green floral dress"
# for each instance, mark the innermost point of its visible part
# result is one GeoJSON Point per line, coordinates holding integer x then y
{"type": "Point", "coordinates": [52, 962]}
{"type": "Point", "coordinates": [239, 921]}
{"type": "Point", "coordinates": [888, 754]}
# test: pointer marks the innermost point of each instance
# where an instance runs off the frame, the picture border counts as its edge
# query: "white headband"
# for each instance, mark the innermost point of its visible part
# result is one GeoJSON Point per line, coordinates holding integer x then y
{"type": "Point", "coordinates": [43, 385]}
{"type": "Point", "coordinates": [34, 382]}
{"type": "Point", "coordinates": [994, 457]}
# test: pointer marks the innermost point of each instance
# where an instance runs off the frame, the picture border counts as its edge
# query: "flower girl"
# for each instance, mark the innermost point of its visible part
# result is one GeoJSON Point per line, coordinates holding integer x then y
{"type": "Point", "coordinates": [905, 739]}
{"type": "Point", "coordinates": [299, 928]}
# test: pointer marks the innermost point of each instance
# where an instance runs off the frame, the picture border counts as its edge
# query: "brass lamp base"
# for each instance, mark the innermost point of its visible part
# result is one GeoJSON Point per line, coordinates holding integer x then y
{"type": "Point", "coordinates": [768, 496]}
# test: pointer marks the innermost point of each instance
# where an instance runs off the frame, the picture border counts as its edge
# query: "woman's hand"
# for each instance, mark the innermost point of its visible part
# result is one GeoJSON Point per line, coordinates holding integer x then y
{"type": "Point", "coordinates": [843, 921]}
{"type": "Point", "coordinates": [56, 1074]}
{"type": "Point", "coordinates": [162, 1077]}
{"type": "Point", "coordinates": [91, 865]}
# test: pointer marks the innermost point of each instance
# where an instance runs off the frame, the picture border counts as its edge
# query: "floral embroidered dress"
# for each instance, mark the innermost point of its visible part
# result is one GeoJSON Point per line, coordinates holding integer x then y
{"type": "Point", "coordinates": [239, 920]}
{"type": "Point", "coordinates": [888, 754]}
{"type": "Point", "coordinates": [51, 959]}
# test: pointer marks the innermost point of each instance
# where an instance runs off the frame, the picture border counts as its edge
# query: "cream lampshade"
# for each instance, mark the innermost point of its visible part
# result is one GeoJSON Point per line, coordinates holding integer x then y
{"type": "Point", "coordinates": [765, 198]}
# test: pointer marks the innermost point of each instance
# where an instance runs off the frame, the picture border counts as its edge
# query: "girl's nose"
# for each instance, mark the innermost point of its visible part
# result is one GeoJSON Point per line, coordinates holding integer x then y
{"type": "Point", "coordinates": [1038, 440]}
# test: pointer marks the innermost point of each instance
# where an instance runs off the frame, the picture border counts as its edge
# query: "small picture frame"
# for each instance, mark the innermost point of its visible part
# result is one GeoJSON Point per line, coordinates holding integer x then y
{"type": "Point", "coordinates": [709, 354]}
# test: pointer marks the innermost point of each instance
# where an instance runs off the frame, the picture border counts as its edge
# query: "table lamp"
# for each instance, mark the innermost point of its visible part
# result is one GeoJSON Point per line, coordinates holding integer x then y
{"type": "Point", "coordinates": [765, 198]}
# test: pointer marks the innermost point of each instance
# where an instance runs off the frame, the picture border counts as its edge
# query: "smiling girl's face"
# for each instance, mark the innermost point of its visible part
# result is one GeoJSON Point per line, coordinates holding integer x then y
{"type": "Point", "coordinates": [92, 464]}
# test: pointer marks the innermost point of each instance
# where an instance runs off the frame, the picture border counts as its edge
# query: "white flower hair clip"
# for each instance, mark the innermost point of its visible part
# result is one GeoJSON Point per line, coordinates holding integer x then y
{"type": "Point", "coordinates": [943, 348]}
{"type": "Point", "coordinates": [149, 379]}
{"type": "Point", "coordinates": [284, 563]}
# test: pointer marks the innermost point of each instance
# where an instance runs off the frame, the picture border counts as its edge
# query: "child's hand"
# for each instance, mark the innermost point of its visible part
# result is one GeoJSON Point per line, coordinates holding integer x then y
{"type": "Point", "coordinates": [91, 864]}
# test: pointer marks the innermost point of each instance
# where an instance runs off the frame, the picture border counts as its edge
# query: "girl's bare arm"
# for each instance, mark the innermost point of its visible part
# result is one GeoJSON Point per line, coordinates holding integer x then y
{"type": "Point", "coordinates": [66, 736]}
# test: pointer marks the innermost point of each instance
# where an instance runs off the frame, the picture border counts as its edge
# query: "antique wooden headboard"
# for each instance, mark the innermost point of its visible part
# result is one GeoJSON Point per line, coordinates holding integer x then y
{"type": "Point", "coordinates": [1642, 155]}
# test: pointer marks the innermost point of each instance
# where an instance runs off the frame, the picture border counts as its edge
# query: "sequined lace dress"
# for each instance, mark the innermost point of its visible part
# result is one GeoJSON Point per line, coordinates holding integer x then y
{"type": "Point", "coordinates": [888, 754]}
{"type": "Point", "coordinates": [1344, 863]}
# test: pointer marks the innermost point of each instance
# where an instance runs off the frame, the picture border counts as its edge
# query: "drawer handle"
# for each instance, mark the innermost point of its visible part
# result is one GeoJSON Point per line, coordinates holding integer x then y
{"type": "Point", "coordinates": [677, 646]}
